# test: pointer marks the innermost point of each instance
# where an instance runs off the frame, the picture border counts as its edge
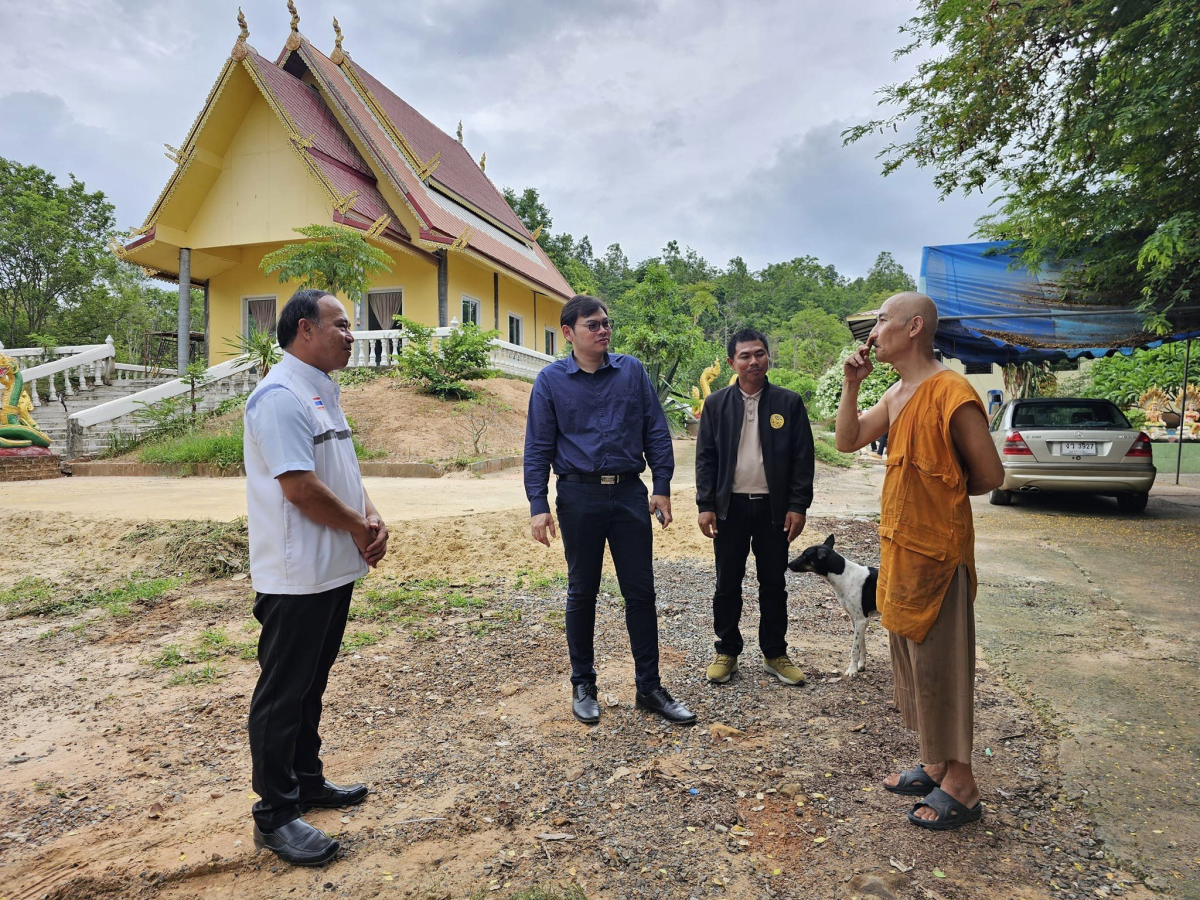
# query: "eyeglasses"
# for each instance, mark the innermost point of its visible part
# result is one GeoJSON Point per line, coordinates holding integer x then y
{"type": "Point", "coordinates": [594, 326]}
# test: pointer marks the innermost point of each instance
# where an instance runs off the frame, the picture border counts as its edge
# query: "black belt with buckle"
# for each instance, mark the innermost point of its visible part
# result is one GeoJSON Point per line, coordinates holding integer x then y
{"type": "Point", "coordinates": [597, 479]}
{"type": "Point", "coordinates": [752, 496]}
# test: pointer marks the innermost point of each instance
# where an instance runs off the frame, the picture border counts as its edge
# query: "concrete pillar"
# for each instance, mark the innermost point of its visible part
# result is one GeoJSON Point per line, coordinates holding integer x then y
{"type": "Point", "coordinates": [185, 307]}
{"type": "Point", "coordinates": [443, 288]}
{"type": "Point", "coordinates": [207, 331]}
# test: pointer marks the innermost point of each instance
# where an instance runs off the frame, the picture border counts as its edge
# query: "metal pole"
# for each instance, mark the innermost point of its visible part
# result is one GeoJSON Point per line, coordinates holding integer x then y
{"type": "Point", "coordinates": [1187, 360]}
{"type": "Point", "coordinates": [185, 308]}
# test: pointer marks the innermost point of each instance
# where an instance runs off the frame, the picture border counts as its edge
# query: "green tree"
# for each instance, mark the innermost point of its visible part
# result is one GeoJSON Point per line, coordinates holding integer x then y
{"type": "Point", "coordinates": [811, 341]}
{"type": "Point", "coordinates": [336, 259]}
{"type": "Point", "coordinates": [126, 306]}
{"type": "Point", "coordinates": [572, 259]}
{"type": "Point", "coordinates": [529, 209]}
{"type": "Point", "coordinates": [52, 248]}
{"type": "Point", "coordinates": [1084, 114]}
{"type": "Point", "coordinates": [658, 322]}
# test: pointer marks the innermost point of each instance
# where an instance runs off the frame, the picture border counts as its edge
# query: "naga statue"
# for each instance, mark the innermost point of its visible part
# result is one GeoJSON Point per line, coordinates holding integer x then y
{"type": "Point", "coordinates": [700, 394]}
{"type": "Point", "coordinates": [17, 427]}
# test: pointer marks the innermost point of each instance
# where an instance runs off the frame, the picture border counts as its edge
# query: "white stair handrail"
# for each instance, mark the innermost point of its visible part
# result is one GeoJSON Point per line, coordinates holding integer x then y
{"type": "Point", "coordinates": [91, 355]}
{"type": "Point", "coordinates": [123, 406]}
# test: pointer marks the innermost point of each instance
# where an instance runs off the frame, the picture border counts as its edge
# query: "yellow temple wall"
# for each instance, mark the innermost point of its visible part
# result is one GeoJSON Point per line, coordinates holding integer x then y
{"type": "Point", "coordinates": [228, 290]}
{"type": "Point", "coordinates": [263, 191]}
{"type": "Point", "coordinates": [470, 278]}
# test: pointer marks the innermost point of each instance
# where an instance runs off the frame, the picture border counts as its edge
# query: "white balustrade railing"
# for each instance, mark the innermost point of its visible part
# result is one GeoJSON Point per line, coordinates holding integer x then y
{"type": "Point", "coordinates": [126, 372]}
{"type": "Point", "coordinates": [84, 428]}
{"type": "Point", "coordinates": [375, 349]}
{"type": "Point", "coordinates": [86, 367]}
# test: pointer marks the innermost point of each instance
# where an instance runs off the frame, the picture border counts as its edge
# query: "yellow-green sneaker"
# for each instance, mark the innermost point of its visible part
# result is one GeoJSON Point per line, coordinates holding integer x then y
{"type": "Point", "coordinates": [722, 668]}
{"type": "Point", "coordinates": [784, 669]}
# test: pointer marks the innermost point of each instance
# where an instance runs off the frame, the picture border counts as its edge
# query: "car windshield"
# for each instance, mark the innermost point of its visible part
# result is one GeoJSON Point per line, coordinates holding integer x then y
{"type": "Point", "coordinates": [1069, 414]}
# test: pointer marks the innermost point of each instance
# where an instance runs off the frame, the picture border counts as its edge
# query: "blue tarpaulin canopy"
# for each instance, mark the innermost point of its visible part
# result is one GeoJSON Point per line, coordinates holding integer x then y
{"type": "Point", "coordinates": [993, 310]}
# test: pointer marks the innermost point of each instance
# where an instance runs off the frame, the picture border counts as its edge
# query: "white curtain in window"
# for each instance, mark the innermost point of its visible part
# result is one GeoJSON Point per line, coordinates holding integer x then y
{"type": "Point", "coordinates": [262, 314]}
{"type": "Point", "coordinates": [385, 305]}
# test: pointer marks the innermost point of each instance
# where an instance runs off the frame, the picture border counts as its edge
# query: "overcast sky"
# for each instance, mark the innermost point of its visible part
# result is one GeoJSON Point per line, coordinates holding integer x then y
{"type": "Point", "coordinates": [714, 123]}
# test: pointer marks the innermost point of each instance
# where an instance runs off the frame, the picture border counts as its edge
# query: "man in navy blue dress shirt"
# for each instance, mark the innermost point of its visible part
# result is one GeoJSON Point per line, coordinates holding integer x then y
{"type": "Point", "coordinates": [596, 418]}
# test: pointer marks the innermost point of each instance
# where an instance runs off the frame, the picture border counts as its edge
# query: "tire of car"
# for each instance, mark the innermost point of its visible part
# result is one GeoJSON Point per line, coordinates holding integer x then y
{"type": "Point", "coordinates": [1000, 498]}
{"type": "Point", "coordinates": [1132, 503]}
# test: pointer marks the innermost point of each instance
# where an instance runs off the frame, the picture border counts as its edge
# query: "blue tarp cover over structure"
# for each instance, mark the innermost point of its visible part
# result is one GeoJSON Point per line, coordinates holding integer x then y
{"type": "Point", "coordinates": [985, 303]}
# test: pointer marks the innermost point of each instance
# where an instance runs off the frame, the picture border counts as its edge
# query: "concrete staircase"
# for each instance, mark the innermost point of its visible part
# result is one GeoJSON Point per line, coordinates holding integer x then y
{"type": "Point", "coordinates": [52, 416]}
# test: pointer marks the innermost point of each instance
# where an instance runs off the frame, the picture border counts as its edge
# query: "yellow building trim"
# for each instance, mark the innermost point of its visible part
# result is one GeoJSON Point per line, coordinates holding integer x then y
{"type": "Point", "coordinates": [493, 265]}
{"type": "Point", "coordinates": [410, 155]}
{"type": "Point", "coordinates": [193, 133]}
{"type": "Point", "coordinates": [366, 148]}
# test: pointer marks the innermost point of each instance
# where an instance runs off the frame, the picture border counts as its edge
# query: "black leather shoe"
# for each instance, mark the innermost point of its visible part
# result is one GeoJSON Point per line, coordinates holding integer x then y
{"type": "Point", "coordinates": [298, 843]}
{"type": "Point", "coordinates": [584, 704]}
{"type": "Point", "coordinates": [663, 704]}
{"type": "Point", "coordinates": [331, 796]}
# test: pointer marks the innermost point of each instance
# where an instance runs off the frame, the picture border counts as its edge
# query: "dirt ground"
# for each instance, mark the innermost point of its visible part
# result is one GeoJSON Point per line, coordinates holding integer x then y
{"type": "Point", "coordinates": [126, 661]}
{"type": "Point", "coordinates": [415, 428]}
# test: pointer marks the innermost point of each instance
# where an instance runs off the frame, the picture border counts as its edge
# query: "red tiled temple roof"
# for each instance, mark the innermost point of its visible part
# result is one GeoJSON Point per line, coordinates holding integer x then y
{"type": "Point", "coordinates": [456, 169]}
{"type": "Point", "coordinates": [442, 224]}
{"type": "Point", "coordinates": [331, 151]}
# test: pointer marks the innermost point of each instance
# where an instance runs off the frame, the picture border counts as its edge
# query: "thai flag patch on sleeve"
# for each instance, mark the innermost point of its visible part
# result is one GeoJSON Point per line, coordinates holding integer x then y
{"type": "Point", "coordinates": [317, 403]}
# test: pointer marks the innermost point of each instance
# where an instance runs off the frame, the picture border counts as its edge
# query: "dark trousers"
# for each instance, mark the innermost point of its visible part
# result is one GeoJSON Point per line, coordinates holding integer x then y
{"type": "Point", "coordinates": [589, 515]}
{"type": "Point", "coordinates": [748, 527]}
{"type": "Point", "coordinates": [301, 636]}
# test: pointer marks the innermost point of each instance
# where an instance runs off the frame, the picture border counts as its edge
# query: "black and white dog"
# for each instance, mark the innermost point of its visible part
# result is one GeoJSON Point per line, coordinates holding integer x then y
{"type": "Point", "coordinates": [855, 589]}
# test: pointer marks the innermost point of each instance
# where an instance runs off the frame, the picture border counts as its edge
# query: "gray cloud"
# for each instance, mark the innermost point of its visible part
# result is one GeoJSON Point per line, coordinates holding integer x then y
{"type": "Point", "coordinates": [709, 122]}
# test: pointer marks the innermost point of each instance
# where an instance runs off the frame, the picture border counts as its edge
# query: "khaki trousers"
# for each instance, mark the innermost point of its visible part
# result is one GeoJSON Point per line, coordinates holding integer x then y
{"type": "Point", "coordinates": [935, 679]}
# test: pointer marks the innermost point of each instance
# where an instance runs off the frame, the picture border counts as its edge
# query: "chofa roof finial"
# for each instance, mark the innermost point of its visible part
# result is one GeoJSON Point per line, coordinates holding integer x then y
{"type": "Point", "coordinates": [293, 41]}
{"type": "Point", "coordinates": [338, 56]}
{"type": "Point", "coordinates": [483, 163]}
{"type": "Point", "coordinates": [241, 48]}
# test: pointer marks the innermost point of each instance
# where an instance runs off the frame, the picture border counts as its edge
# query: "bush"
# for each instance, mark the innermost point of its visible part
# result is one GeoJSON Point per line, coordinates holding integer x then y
{"type": "Point", "coordinates": [359, 375]}
{"type": "Point", "coordinates": [1123, 379]}
{"type": "Point", "coordinates": [793, 381]}
{"type": "Point", "coordinates": [827, 453]}
{"type": "Point", "coordinates": [829, 386]}
{"type": "Point", "coordinates": [443, 370]}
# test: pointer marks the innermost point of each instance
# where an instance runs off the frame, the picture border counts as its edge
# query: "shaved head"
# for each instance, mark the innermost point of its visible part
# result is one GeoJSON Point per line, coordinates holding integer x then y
{"type": "Point", "coordinates": [907, 305]}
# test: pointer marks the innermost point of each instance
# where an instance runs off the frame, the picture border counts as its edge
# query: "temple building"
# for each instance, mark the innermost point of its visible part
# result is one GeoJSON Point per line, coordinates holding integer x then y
{"type": "Point", "coordinates": [314, 139]}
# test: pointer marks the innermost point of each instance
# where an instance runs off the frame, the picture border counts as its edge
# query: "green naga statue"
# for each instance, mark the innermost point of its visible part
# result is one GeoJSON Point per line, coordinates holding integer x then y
{"type": "Point", "coordinates": [17, 428]}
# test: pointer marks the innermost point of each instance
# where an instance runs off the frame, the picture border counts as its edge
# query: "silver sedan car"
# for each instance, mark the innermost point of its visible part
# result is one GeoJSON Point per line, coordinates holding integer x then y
{"type": "Point", "coordinates": [1070, 444]}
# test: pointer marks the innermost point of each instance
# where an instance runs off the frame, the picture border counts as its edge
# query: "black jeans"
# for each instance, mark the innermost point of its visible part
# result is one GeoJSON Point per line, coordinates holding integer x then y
{"type": "Point", "coordinates": [589, 515]}
{"type": "Point", "coordinates": [748, 526]}
{"type": "Point", "coordinates": [301, 636]}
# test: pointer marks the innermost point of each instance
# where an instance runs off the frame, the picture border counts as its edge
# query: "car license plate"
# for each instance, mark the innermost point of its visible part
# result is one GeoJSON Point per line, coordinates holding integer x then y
{"type": "Point", "coordinates": [1078, 448]}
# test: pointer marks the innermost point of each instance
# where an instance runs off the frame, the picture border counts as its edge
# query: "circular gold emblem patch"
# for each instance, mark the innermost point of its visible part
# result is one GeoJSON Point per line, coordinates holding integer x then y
{"type": "Point", "coordinates": [777, 421]}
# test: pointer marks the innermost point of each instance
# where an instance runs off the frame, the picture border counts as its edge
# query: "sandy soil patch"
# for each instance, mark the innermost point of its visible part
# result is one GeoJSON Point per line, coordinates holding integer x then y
{"type": "Point", "coordinates": [125, 771]}
{"type": "Point", "coordinates": [412, 427]}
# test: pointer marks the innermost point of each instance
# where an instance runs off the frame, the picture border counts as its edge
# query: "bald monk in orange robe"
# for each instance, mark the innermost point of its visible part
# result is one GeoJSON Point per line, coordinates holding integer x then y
{"type": "Point", "coordinates": [940, 453]}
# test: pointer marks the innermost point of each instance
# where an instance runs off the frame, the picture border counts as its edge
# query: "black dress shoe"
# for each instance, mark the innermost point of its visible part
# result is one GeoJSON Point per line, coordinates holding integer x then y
{"type": "Point", "coordinates": [331, 796]}
{"type": "Point", "coordinates": [665, 705]}
{"type": "Point", "coordinates": [584, 704]}
{"type": "Point", "coordinates": [298, 843]}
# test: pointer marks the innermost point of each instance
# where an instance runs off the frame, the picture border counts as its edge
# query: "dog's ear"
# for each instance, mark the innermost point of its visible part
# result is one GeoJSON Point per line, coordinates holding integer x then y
{"type": "Point", "coordinates": [829, 541]}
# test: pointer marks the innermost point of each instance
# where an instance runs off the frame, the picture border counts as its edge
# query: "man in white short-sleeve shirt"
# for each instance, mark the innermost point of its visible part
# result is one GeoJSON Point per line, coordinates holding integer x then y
{"type": "Point", "coordinates": [313, 532]}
